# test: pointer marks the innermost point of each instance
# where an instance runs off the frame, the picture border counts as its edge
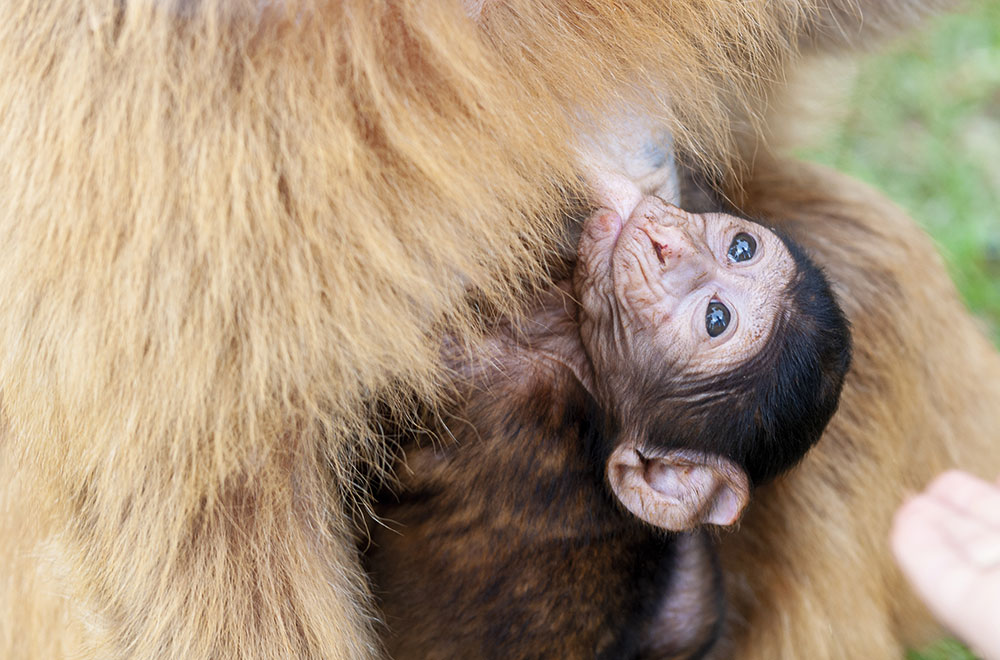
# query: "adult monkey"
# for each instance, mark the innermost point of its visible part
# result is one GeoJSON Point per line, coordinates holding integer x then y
{"type": "Point", "coordinates": [229, 224]}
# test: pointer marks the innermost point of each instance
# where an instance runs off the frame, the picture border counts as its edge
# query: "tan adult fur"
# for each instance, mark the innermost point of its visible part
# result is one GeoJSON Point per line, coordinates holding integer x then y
{"type": "Point", "coordinates": [810, 571]}
{"type": "Point", "coordinates": [226, 225]}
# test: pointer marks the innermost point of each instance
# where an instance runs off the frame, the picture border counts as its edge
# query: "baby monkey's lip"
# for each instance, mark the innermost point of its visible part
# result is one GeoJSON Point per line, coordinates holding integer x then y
{"type": "Point", "coordinates": [606, 230]}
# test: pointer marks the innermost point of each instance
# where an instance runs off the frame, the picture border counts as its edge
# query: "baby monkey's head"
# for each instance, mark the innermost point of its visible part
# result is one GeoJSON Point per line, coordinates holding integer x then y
{"type": "Point", "coordinates": [717, 345]}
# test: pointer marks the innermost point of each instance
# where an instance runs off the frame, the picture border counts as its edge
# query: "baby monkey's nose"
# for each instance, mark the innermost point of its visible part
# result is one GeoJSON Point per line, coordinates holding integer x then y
{"type": "Point", "coordinates": [658, 250]}
{"type": "Point", "coordinates": [669, 243]}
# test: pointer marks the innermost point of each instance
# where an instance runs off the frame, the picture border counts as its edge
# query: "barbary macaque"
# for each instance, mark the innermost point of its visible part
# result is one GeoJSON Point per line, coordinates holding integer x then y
{"type": "Point", "coordinates": [553, 510]}
{"type": "Point", "coordinates": [229, 225]}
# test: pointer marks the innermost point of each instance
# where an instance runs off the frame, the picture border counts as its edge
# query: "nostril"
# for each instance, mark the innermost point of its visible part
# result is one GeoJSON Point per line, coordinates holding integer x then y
{"type": "Point", "coordinates": [658, 249]}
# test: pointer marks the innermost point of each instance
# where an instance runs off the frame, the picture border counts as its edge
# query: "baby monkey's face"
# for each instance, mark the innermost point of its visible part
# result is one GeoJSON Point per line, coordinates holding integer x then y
{"type": "Point", "coordinates": [700, 291]}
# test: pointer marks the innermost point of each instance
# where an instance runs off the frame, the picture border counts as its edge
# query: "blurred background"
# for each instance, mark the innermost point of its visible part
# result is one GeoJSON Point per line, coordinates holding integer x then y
{"type": "Point", "coordinates": [922, 124]}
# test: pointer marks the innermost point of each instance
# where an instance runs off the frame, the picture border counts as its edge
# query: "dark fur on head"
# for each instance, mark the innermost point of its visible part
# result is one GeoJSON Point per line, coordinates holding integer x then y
{"type": "Point", "coordinates": [765, 412]}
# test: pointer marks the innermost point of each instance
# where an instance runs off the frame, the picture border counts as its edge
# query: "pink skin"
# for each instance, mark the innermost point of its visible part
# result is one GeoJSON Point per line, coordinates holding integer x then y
{"type": "Point", "coordinates": [947, 541]}
{"type": "Point", "coordinates": [646, 283]}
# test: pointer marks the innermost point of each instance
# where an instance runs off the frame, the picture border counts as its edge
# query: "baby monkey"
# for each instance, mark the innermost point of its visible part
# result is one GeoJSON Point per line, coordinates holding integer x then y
{"type": "Point", "coordinates": [549, 511]}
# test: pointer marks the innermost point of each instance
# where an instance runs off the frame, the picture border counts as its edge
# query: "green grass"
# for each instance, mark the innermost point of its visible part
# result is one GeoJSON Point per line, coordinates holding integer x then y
{"type": "Point", "coordinates": [923, 125]}
{"type": "Point", "coordinates": [944, 650]}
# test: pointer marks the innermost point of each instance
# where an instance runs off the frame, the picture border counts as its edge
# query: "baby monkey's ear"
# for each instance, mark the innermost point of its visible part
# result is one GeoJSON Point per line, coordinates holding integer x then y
{"type": "Point", "coordinates": [678, 489]}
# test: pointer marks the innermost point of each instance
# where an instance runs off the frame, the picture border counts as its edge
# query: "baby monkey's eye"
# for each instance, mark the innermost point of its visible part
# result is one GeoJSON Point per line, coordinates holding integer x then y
{"type": "Point", "coordinates": [742, 248]}
{"type": "Point", "coordinates": [716, 318]}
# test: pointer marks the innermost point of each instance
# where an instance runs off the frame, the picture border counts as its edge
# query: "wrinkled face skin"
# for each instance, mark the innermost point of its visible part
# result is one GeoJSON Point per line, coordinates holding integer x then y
{"type": "Point", "coordinates": [698, 291]}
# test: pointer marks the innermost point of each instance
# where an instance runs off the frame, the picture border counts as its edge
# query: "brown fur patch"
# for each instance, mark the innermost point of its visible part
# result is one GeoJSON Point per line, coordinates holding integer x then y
{"type": "Point", "coordinates": [503, 540]}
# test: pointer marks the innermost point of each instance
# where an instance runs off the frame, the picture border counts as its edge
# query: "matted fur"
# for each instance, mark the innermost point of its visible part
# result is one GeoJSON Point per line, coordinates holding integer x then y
{"type": "Point", "coordinates": [227, 224]}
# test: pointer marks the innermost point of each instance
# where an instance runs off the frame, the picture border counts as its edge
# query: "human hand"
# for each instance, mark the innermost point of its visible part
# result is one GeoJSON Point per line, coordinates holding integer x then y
{"type": "Point", "coordinates": [947, 541]}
